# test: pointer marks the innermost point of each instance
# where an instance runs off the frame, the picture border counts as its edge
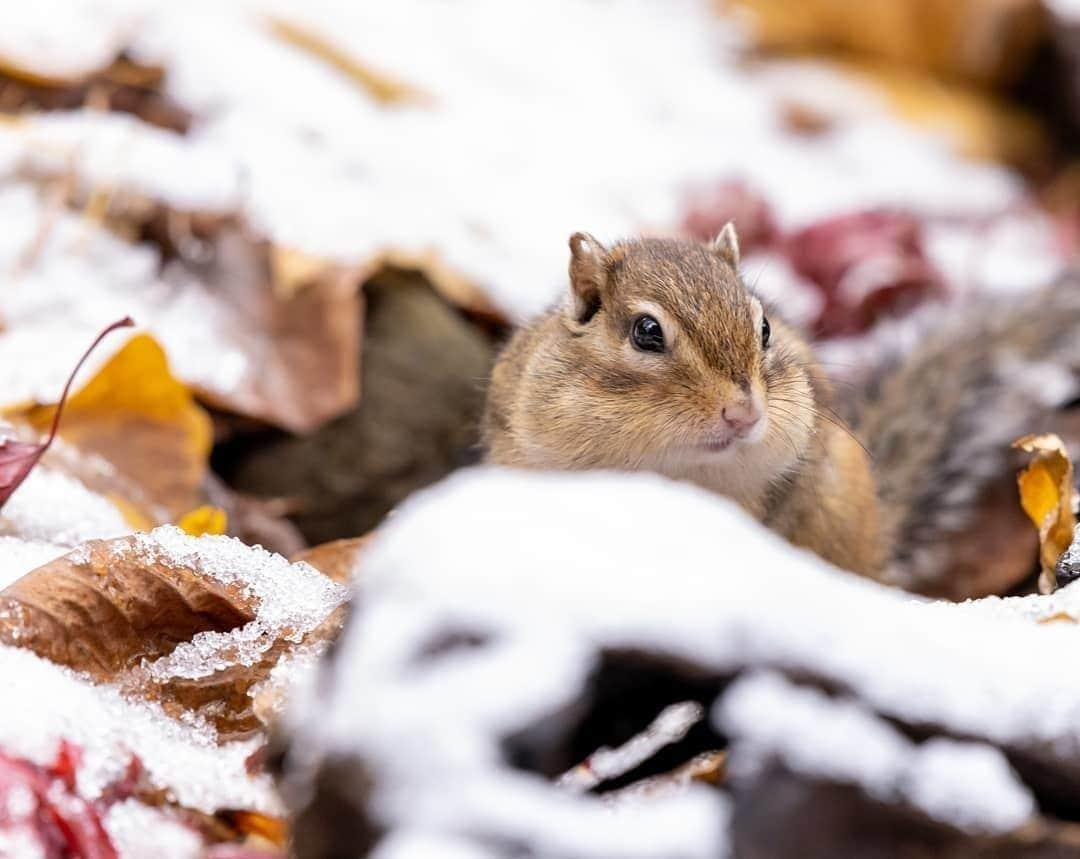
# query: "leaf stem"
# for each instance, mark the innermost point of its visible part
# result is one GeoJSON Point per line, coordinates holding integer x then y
{"type": "Point", "coordinates": [126, 322]}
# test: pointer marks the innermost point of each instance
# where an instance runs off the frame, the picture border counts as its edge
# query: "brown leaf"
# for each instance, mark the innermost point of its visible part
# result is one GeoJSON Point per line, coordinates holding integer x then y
{"type": "Point", "coordinates": [302, 351]}
{"type": "Point", "coordinates": [337, 559]}
{"type": "Point", "coordinates": [118, 610]}
{"type": "Point", "coordinates": [1049, 497]}
{"type": "Point", "coordinates": [17, 459]}
{"type": "Point", "coordinates": [124, 85]}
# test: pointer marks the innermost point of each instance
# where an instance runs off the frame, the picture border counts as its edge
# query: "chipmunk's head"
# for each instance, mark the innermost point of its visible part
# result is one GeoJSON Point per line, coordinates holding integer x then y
{"type": "Point", "coordinates": [671, 363]}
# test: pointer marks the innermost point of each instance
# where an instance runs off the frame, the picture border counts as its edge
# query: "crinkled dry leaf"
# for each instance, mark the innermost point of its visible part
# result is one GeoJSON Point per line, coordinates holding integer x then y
{"type": "Point", "coordinates": [337, 559]}
{"type": "Point", "coordinates": [152, 614]}
{"type": "Point", "coordinates": [137, 416]}
{"type": "Point", "coordinates": [1049, 497]}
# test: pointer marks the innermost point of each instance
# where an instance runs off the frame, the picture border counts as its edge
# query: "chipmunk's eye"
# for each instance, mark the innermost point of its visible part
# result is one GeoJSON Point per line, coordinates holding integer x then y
{"type": "Point", "coordinates": [647, 334]}
{"type": "Point", "coordinates": [766, 332]}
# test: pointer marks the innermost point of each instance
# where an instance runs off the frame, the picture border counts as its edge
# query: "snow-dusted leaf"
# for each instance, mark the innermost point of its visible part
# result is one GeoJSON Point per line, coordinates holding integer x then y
{"type": "Point", "coordinates": [193, 623]}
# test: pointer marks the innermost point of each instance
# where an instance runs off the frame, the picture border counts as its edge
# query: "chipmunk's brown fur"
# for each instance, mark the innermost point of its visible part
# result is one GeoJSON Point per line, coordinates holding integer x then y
{"type": "Point", "coordinates": [572, 391]}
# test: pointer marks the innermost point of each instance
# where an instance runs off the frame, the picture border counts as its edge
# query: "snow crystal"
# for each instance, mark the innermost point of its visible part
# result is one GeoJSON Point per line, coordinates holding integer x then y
{"type": "Point", "coordinates": [54, 508]}
{"type": "Point", "coordinates": [969, 785]}
{"type": "Point", "coordinates": [46, 703]}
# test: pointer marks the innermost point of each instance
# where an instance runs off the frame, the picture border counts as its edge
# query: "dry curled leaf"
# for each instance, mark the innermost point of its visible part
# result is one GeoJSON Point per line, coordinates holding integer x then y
{"type": "Point", "coordinates": [136, 415]}
{"type": "Point", "coordinates": [1049, 497]}
{"type": "Point", "coordinates": [191, 623]}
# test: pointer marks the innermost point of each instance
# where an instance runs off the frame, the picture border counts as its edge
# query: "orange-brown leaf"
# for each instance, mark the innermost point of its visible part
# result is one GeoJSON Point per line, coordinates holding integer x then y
{"type": "Point", "coordinates": [1048, 495]}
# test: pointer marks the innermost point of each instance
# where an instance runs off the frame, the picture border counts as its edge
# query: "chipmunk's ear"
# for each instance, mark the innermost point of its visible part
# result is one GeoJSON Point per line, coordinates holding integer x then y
{"type": "Point", "coordinates": [726, 245]}
{"type": "Point", "coordinates": [588, 274]}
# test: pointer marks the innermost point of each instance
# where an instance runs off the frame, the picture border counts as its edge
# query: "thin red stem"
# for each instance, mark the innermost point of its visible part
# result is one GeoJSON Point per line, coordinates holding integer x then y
{"type": "Point", "coordinates": [126, 322]}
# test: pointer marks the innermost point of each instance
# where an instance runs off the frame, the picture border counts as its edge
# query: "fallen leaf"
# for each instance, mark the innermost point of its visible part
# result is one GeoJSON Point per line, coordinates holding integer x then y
{"type": "Point", "coordinates": [300, 354]}
{"type": "Point", "coordinates": [337, 559]}
{"type": "Point", "coordinates": [866, 264]}
{"type": "Point", "coordinates": [1048, 495]}
{"type": "Point", "coordinates": [985, 41]}
{"type": "Point", "coordinates": [191, 623]}
{"type": "Point", "coordinates": [206, 519]}
{"type": "Point", "coordinates": [17, 459]}
{"type": "Point", "coordinates": [124, 85]}
{"type": "Point", "coordinates": [41, 807]}
{"type": "Point", "coordinates": [137, 416]}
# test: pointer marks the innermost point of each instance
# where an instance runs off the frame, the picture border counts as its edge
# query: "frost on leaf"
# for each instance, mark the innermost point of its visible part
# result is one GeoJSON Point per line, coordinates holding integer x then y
{"type": "Point", "coordinates": [192, 623]}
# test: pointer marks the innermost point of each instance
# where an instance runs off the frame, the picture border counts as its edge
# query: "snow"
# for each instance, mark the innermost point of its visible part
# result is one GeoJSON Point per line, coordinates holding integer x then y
{"type": "Point", "coordinates": [504, 157]}
{"type": "Point", "coordinates": [64, 40]}
{"type": "Point", "coordinates": [550, 569]}
{"type": "Point", "coordinates": [19, 557]}
{"type": "Point", "coordinates": [968, 785]}
{"type": "Point", "coordinates": [52, 507]}
{"type": "Point", "coordinates": [141, 832]}
{"type": "Point", "coordinates": [47, 703]}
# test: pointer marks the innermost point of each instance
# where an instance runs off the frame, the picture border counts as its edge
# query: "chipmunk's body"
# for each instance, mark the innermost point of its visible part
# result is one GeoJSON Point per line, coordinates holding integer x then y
{"type": "Point", "coordinates": [662, 360]}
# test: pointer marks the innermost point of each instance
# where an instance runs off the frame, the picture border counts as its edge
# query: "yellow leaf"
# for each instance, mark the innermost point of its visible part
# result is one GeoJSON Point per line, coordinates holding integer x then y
{"type": "Point", "coordinates": [1048, 496]}
{"type": "Point", "coordinates": [204, 520]}
{"type": "Point", "coordinates": [138, 416]}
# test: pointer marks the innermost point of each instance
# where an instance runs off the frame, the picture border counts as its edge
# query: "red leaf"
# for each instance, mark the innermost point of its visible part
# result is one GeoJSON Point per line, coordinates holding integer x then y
{"type": "Point", "coordinates": [18, 458]}
{"type": "Point", "coordinates": [866, 264]}
{"type": "Point", "coordinates": [40, 806]}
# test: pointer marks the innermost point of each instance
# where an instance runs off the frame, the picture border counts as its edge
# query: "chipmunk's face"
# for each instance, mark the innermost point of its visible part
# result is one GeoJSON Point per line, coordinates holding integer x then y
{"type": "Point", "coordinates": [674, 365]}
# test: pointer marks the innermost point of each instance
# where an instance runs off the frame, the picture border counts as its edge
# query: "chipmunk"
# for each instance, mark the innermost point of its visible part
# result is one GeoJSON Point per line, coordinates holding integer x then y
{"type": "Point", "coordinates": [661, 359]}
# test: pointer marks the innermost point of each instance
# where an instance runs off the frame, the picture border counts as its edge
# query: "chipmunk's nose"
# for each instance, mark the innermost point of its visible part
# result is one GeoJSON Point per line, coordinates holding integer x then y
{"type": "Point", "coordinates": [742, 417]}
